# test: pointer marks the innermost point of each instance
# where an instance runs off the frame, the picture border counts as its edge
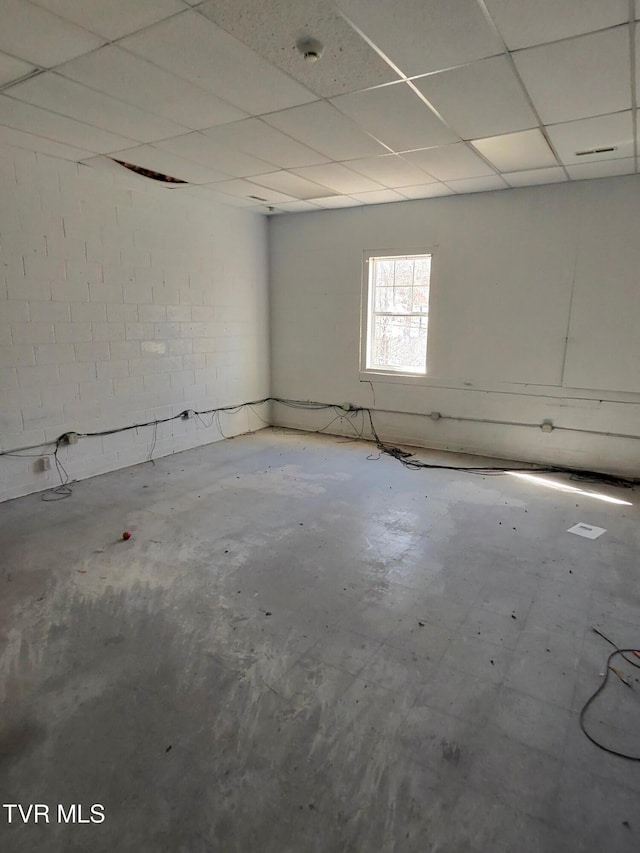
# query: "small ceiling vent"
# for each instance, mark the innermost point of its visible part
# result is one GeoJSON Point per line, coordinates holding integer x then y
{"type": "Point", "coordinates": [596, 151]}
{"type": "Point", "coordinates": [149, 173]}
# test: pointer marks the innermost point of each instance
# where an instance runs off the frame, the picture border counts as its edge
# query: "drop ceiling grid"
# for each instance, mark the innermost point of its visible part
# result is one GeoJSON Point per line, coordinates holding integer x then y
{"type": "Point", "coordinates": [510, 43]}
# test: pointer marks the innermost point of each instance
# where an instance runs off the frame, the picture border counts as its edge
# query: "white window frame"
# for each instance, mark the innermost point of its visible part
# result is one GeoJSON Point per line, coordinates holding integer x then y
{"type": "Point", "coordinates": [367, 313]}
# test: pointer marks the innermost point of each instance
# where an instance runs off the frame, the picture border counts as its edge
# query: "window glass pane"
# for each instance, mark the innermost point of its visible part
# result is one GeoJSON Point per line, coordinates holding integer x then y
{"type": "Point", "coordinates": [422, 271]}
{"type": "Point", "coordinates": [400, 342]}
{"type": "Point", "coordinates": [396, 299]}
{"type": "Point", "coordinates": [404, 272]}
{"type": "Point", "coordinates": [383, 273]}
{"type": "Point", "coordinates": [421, 298]}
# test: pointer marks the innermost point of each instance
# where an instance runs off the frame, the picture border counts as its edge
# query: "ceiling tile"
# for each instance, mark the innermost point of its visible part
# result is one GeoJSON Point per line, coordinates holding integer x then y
{"type": "Point", "coordinates": [450, 162]}
{"type": "Point", "coordinates": [34, 34]}
{"type": "Point", "coordinates": [246, 189]}
{"type": "Point", "coordinates": [292, 185]}
{"type": "Point", "coordinates": [322, 127]}
{"type": "Point", "coordinates": [426, 191]}
{"type": "Point", "coordinates": [515, 152]}
{"type": "Point", "coordinates": [71, 99]}
{"type": "Point", "coordinates": [523, 23]}
{"type": "Point", "coordinates": [532, 177]}
{"type": "Point", "coordinates": [602, 132]}
{"type": "Point", "coordinates": [112, 18]}
{"type": "Point", "coordinates": [425, 35]}
{"type": "Point", "coordinates": [196, 49]}
{"type": "Point", "coordinates": [30, 119]}
{"type": "Point", "coordinates": [583, 77]}
{"type": "Point", "coordinates": [396, 116]}
{"type": "Point", "coordinates": [296, 207]}
{"type": "Point", "coordinates": [338, 178]}
{"type": "Point", "coordinates": [208, 194]}
{"type": "Point", "coordinates": [255, 137]}
{"type": "Point", "coordinates": [390, 170]}
{"type": "Point", "coordinates": [150, 157]}
{"type": "Point", "coordinates": [12, 69]}
{"type": "Point", "coordinates": [131, 79]}
{"type": "Point", "coordinates": [19, 139]}
{"type": "Point", "coordinates": [379, 197]}
{"type": "Point", "coordinates": [272, 29]}
{"type": "Point", "coordinates": [481, 99]}
{"type": "Point", "coordinates": [337, 201]}
{"type": "Point", "coordinates": [603, 169]}
{"type": "Point", "coordinates": [201, 149]}
{"type": "Point", "coordinates": [478, 185]}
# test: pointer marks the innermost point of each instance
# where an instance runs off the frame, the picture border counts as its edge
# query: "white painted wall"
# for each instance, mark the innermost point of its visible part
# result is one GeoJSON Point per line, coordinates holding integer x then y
{"type": "Point", "coordinates": [535, 312]}
{"type": "Point", "coordinates": [120, 302]}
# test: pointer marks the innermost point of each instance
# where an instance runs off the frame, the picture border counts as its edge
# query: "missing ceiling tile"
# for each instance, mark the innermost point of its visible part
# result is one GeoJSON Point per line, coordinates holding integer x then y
{"type": "Point", "coordinates": [149, 173]}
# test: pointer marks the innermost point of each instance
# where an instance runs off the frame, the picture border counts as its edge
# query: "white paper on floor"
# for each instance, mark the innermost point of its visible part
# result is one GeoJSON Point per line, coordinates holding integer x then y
{"type": "Point", "coordinates": [587, 530]}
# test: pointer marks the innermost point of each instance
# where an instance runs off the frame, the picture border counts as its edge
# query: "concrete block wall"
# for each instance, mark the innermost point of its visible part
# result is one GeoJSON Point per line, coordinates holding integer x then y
{"type": "Point", "coordinates": [120, 302]}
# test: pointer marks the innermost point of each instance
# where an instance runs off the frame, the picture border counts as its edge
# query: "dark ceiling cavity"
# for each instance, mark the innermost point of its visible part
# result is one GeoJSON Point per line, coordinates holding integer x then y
{"type": "Point", "coordinates": [595, 151]}
{"type": "Point", "coordinates": [149, 173]}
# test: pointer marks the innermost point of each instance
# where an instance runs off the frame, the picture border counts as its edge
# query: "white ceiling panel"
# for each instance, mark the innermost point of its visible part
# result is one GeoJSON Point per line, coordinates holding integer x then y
{"type": "Point", "coordinates": [322, 127]}
{"type": "Point", "coordinates": [34, 34]}
{"type": "Point", "coordinates": [292, 185]}
{"type": "Point", "coordinates": [208, 194]}
{"type": "Point", "coordinates": [515, 152]}
{"type": "Point", "coordinates": [40, 122]}
{"type": "Point", "coordinates": [71, 99]}
{"type": "Point", "coordinates": [197, 50]}
{"type": "Point", "coordinates": [602, 132]}
{"type": "Point", "coordinates": [112, 18]}
{"type": "Point", "coordinates": [396, 116]}
{"type": "Point", "coordinates": [201, 149]}
{"type": "Point", "coordinates": [19, 139]}
{"type": "Point", "coordinates": [450, 162]}
{"type": "Point", "coordinates": [579, 78]}
{"type": "Point", "coordinates": [246, 189]}
{"type": "Point", "coordinates": [12, 69]}
{"type": "Point", "coordinates": [379, 197]}
{"type": "Point", "coordinates": [481, 99]}
{"type": "Point", "coordinates": [337, 201]}
{"type": "Point", "coordinates": [524, 23]}
{"type": "Point", "coordinates": [390, 170]}
{"type": "Point", "coordinates": [533, 177]}
{"type": "Point", "coordinates": [338, 178]}
{"type": "Point", "coordinates": [255, 137]}
{"type": "Point", "coordinates": [296, 207]}
{"type": "Point", "coordinates": [426, 191]}
{"type": "Point", "coordinates": [150, 157]}
{"type": "Point", "coordinates": [478, 185]}
{"type": "Point", "coordinates": [425, 35]}
{"type": "Point", "coordinates": [603, 169]}
{"type": "Point", "coordinates": [129, 78]}
{"type": "Point", "coordinates": [348, 62]}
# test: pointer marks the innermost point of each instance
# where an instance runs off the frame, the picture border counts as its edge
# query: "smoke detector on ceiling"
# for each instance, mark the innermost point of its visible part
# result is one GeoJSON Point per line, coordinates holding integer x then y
{"type": "Point", "coordinates": [310, 49]}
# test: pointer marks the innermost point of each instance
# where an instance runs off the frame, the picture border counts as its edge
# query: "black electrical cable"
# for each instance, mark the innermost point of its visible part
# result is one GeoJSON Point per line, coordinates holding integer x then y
{"type": "Point", "coordinates": [603, 684]}
{"type": "Point", "coordinates": [341, 413]}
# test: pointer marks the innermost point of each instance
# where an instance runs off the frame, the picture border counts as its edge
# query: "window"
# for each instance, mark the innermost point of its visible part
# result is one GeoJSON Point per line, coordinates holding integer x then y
{"type": "Point", "coordinates": [396, 313]}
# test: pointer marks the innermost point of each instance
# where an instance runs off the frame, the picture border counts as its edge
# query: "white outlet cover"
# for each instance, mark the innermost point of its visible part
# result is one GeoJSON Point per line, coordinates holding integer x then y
{"type": "Point", "coordinates": [586, 530]}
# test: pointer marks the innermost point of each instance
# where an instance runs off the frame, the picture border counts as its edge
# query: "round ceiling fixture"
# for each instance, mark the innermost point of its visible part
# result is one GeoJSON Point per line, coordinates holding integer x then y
{"type": "Point", "coordinates": [310, 49]}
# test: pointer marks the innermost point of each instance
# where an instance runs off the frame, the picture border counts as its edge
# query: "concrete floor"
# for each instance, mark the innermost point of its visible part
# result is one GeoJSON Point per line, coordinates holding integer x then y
{"type": "Point", "coordinates": [301, 650]}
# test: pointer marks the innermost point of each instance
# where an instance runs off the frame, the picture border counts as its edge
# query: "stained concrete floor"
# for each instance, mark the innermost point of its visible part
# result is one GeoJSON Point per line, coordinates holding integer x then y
{"type": "Point", "coordinates": [301, 649]}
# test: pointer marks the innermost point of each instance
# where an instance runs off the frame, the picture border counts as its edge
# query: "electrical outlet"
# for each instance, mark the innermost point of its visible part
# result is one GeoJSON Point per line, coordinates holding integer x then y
{"type": "Point", "coordinates": [44, 463]}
